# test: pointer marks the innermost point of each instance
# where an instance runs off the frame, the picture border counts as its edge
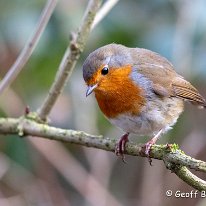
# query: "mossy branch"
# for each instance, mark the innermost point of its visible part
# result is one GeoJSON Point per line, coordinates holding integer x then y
{"type": "Point", "coordinates": [174, 159]}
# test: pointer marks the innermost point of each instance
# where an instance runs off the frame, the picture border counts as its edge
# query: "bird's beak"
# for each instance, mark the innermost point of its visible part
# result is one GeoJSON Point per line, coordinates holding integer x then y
{"type": "Point", "coordinates": [90, 89]}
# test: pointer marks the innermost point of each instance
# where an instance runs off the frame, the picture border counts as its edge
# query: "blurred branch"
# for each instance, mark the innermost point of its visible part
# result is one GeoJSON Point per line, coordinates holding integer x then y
{"type": "Point", "coordinates": [70, 58]}
{"type": "Point", "coordinates": [174, 159]}
{"type": "Point", "coordinates": [108, 5]}
{"type": "Point", "coordinates": [29, 47]}
{"type": "Point", "coordinates": [78, 176]}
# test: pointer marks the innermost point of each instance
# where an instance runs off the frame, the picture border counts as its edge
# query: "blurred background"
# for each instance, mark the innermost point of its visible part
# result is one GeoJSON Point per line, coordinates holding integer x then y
{"type": "Point", "coordinates": [40, 172]}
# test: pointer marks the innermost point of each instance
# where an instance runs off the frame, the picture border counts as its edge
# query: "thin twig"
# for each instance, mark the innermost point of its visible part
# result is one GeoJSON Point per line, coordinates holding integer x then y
{"type": "Point", "coordinates": [29, 47]}
{"type": "Point", "coordinates": [108, 5]}
{"type": "Point", "coordinates": [174, 159]}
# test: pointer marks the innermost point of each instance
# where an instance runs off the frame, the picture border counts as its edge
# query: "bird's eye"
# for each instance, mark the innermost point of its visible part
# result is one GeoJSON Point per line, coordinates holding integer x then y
{"type": "Point", "coordinates": [105, 70]}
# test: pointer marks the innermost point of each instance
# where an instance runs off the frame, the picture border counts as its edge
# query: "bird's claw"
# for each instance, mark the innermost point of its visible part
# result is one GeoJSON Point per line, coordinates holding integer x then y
{"type": "Point", "coordinates": [120, 146]}
{"type": "Point", "coordinates": [148, 146]}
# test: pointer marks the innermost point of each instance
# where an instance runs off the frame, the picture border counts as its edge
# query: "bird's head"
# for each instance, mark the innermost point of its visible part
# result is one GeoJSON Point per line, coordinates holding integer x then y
{"type": "Point", "coordinates": [106, 68]}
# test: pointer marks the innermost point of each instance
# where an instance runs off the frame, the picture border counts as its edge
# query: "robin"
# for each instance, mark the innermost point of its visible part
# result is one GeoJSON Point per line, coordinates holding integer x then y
{"type": "Point", "coordinates": [138, 91]}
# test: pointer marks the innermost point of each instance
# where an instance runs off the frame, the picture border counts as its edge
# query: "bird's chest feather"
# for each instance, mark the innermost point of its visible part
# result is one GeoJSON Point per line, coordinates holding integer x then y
{"type": "Point", "coordinates": [118, 94]}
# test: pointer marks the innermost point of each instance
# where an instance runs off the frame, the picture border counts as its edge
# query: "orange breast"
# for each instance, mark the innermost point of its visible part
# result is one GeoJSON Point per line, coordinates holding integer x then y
{"type": "Point", "coordinates": [117, 94]}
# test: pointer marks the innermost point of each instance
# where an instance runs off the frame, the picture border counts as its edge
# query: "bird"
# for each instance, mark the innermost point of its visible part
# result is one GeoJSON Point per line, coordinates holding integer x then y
{"type": "Point", "coordinates": [138, 91]}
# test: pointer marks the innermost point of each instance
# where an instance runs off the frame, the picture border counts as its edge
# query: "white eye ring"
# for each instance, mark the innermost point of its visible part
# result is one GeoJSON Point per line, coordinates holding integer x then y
{"type": "Point", "coordinates": [105, 70]}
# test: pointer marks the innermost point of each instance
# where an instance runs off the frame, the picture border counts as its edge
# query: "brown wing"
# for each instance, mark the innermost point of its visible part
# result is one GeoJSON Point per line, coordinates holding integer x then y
{"type": "Point", "coordinates": [185, 90]}
{"type": "Point", "coordinates": [166, 82]}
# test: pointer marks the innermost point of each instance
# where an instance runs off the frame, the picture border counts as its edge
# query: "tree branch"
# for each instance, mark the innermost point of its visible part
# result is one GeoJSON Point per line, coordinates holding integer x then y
{"type": "Point", "coordinates": [70, 58]}
{"type": "Point", "coordinates": [29, 47]}
{"type": "Point", "coordinates": [108, 5]}
{"type": "Point", "coordinates": [183, 173]}
{"type": "Point", "coordinates": [174, 158]}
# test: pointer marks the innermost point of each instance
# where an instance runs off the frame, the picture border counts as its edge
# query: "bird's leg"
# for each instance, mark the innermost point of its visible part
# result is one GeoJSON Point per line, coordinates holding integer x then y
{"type": "Point", "coordinates": [120, 147]}
{"type": "Point", "coordinates": [149, 144]}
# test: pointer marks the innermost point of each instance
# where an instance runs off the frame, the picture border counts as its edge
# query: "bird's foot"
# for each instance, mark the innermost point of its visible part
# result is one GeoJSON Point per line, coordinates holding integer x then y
{"type": "Point", "coordinates": [120, 146]}
{"type": "Point", "coordinates": [149, 144]}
